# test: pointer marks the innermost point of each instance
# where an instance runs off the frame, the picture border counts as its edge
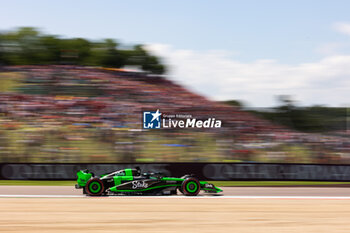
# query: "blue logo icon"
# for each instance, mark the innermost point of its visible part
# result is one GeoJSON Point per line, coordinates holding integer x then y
{"type": "Point", "coordinates": [151, 120]}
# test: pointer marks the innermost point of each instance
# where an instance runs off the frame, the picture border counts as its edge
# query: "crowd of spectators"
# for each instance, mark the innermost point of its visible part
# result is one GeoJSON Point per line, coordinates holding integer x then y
{"type": "Point", "coordinates": [89, 114]}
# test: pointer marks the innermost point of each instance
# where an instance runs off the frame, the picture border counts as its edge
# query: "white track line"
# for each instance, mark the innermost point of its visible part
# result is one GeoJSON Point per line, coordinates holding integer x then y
{"type": "Point", "coordinates": [15, 195]}
{"type": "Point", "coordinates": [197, 197]}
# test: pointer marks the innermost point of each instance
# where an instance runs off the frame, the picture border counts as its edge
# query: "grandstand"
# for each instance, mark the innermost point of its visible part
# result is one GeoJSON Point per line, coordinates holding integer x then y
{"type": "Point", "coordinates": [88, 114]}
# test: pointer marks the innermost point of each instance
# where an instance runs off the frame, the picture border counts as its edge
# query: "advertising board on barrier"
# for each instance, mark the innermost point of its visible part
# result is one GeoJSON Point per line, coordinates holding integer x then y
{"type": "Point", "coordinates": [204, 171]}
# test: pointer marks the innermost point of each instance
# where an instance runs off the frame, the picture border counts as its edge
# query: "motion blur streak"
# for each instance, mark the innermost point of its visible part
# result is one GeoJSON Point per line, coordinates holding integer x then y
{"type": "Point", "coordinates": [66, 113]}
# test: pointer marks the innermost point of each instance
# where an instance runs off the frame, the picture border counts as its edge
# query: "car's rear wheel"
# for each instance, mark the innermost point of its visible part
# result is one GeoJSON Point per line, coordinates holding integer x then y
{"type": "Point", "coordinates": [190, 186]}
{"type": "Point", "coordinates": [95, 187]}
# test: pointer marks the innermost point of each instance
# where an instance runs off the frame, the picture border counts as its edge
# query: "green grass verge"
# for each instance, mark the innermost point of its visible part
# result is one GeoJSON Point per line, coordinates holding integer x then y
{"type": "Point", "coordinates": [216, 183]}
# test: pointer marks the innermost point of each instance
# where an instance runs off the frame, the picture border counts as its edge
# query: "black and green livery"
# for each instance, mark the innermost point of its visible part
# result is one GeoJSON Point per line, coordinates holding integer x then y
{"type": "Point", "coordinates": [131, 181]}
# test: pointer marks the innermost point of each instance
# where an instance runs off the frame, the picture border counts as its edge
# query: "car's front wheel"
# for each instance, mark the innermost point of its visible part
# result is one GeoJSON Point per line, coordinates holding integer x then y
{"type": "Point", "coordinates": [190, 186]}
{"type": "Point", "coordinates": [95, 187]}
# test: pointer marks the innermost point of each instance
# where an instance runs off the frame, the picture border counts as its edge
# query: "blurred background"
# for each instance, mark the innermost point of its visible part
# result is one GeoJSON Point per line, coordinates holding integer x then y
{"type": "Point", "coordinates": [70, 99]}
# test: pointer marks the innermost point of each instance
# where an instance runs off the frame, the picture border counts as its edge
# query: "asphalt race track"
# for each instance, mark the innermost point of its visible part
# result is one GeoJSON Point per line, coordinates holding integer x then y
{"type": "Point", "coordinates": [243, 210]}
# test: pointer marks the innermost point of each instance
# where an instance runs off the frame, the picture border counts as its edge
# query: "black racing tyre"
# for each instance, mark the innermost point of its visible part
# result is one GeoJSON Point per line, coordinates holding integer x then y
{"type": "Point", "coordinates": [190, 186]}
{"type": "Point", "coordinates": [95, 187]}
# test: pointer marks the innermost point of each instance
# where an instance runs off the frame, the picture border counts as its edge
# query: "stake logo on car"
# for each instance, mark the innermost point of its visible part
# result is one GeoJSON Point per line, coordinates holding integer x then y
{"type": "Point", "coordinates": [139, 184]}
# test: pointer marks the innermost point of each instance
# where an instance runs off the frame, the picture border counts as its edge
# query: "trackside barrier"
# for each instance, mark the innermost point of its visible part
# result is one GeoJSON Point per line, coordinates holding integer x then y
{"type": "Point", "coordinates": [204, 171]}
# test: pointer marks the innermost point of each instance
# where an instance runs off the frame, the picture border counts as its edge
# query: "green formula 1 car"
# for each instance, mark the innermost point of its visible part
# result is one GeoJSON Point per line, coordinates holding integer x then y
{"type": "Point", "coordinates": [133, 182]}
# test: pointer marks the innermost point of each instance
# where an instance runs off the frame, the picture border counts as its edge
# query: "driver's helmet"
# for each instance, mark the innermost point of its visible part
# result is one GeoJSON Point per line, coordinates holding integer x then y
{"type": "Point", "coordinates": [136, 171]}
